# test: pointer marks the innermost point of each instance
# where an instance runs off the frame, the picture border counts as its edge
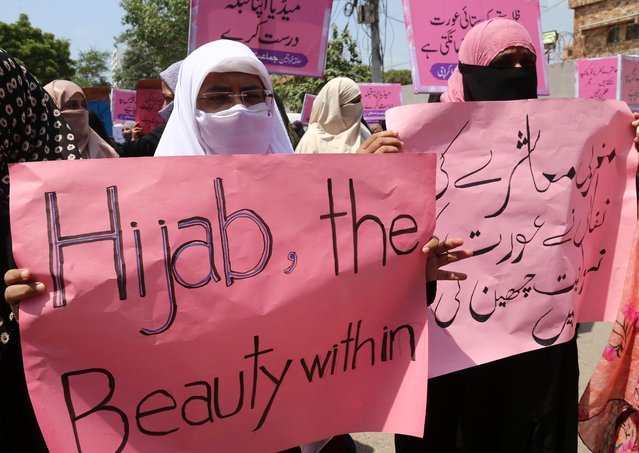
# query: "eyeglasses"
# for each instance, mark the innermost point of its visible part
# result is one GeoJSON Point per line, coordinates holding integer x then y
{"type": "Point", "coordinates": [221, 100]}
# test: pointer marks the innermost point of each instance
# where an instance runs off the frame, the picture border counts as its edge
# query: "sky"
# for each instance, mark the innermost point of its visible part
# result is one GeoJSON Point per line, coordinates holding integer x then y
{"type": "Point", "coordinates": [95, 23]}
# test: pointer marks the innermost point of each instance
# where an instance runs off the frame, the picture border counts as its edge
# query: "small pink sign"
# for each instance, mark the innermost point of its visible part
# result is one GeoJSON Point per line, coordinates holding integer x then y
{"type": "Point", "coordinates": [436, 29]}
{"type": "Point", "coordinates": [288, 36]}
{"type": "Point", "coordinates": [630, 80]}
{"type": "Point", "coordinates": [307, 107]}
{"type": "Point", "coordinates": [598, 78]}
{"type": "Point", "coordinates": [379, 97]}
{"type": "Point", "coordinates": [148, 102]}
{"type": "Point", "coordinates": [123, 104]}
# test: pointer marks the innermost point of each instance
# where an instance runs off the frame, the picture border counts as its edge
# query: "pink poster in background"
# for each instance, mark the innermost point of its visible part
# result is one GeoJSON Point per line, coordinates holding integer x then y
{"type": "Point", "coordinates": [148, 103]}
{"type": "Point", "coordinates": [307, 107]}
{"type": "Point", "coordinates": [550, 236]}
{"type": "Point", "coordinates": [123, 104]}
{"type": "Point", "coordinates": [597, 78]}
{"type": "Point", "coordinates": [379, 97]}
{"type": "Point", "coordinates": [436, 29]}
{"type": "Point", "coordinates": [630, 80]}
{"type": "Point", "coordinates": [288, 36]}
{"type": "Point", "coordinates": [204, 308]}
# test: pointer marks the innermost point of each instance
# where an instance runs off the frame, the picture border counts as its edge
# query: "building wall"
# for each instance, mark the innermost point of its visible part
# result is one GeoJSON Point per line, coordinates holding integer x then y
{"type": "Point", "coordinates": [598, 21]}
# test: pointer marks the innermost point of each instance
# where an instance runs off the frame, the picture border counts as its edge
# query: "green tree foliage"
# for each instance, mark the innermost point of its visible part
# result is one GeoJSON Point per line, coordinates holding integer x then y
{"type": "Point", "coordinates": [46, 56]}
{"type": "Point", "coordinates": [157, 37]}
{"type": "Point", "coordinates": [92, 68]}
{"type": "Point", "coordinates": [342, 60]}
{"type": "Point", "coordinates": [402, 76]}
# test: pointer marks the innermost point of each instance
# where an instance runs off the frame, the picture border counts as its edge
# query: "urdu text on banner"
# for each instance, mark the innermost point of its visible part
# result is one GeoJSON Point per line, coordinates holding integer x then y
{"type": "Point", "coordinates": [543, 192]}
{"type": "Point", "coordinates": [288, 36]}
{"type": "Point", "coordinates": [435, 31]}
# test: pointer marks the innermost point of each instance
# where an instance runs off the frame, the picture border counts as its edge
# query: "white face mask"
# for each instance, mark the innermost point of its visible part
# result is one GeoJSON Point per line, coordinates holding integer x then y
{"type": "Point", "coordinates": [238, 130]}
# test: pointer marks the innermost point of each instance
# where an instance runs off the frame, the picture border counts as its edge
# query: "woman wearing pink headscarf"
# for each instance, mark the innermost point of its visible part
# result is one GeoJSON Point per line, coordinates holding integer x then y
{"type": "Point", "coordinates": [528, 402]}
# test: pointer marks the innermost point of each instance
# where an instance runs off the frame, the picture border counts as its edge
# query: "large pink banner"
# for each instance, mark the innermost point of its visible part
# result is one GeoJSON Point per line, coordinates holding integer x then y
{"type": "Point", "coordinates": [598, 78]}
{"type": "Point", "coordinates": [288, 36]}
{"type": "Point", "coordinates": [549, 211]}
{"type": "Point", "coordinates": [203, 308]}
{"type": "Point", "coordinates": [436, 28]}
{"type": "Point", "coordinates": [379, 97]}
{"type": "Point", "coordinates": [123, 104]}
{"type": "Point", "coordinates": [630, 81]}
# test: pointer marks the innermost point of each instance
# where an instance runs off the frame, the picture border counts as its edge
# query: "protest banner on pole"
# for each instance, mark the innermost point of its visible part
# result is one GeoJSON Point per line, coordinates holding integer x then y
{"type": "Point", "coordinates": [379, 97]}
{"type": "Point", "coordinates": [289, 37]}
{"type": "Point", "coordinates": [550, 235]}
{"type": "Point", "coordinates": [436, 29]}
{"type": "Point", "coordinates": [203, 307]}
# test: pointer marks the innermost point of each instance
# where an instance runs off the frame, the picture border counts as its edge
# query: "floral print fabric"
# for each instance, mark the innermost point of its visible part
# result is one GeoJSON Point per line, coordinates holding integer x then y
{"type": "Point", "coordinates": [31, 126]}
{"type": "Point", "coordinates": [31, 129]}
{"type": "Point", "coordinates": [609, 407]}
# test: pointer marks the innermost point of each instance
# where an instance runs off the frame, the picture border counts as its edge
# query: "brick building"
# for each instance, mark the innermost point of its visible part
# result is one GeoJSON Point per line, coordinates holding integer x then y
{"type": "Point", "coordinates": [605, 27]}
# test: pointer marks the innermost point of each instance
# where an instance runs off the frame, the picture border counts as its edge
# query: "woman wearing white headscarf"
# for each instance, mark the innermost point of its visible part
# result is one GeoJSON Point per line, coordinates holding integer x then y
{"type": "Point", "coordinates": [223, 105]}
{"type": "Point", "coordinates": [336, 124]}
{"type": "Point", "coordinates": [336, 120]}
{"type": "Point", "coordinates": [73, 105]}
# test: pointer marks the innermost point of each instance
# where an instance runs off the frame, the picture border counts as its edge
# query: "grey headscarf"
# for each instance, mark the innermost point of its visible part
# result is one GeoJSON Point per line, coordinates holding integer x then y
{"type": "Point", "coordinates": [170, 77]}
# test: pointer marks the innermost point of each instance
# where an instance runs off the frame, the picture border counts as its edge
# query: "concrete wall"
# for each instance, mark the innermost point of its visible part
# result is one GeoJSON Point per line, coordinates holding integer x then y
{"type": "Point", "coordinates": [561, 77]}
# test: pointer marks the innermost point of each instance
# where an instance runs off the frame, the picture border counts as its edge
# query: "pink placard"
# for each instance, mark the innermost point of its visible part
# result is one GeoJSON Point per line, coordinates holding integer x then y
{"type": "Point", "coordinates": [597, 78]}
{"type": "Point", "coordinates": [307, 107]}
{"type": "Point", "coordinates": [630, 80]}
{"type": "Point", "coordinates": [435, 31]}
{"type": "Point", "coordinates": [123, 104]}
{"type": "Point", "coordinates": [203, 308]}
{"type": "Point", "coordinates": [288, 36]}
{"type": "Point", "coordinates": [148, 102]}
{"type": "Point", "coordinates": [550, 235]}
{"type": "Point", "coordinates": [379, 97]}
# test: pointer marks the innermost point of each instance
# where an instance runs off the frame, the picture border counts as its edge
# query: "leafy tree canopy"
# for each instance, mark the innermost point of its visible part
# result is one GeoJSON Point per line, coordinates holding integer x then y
{"type": "Point", "coordinates": [342, 60]}
{"type": "Point", "coordinates": [402, 76]}
{"type": "Point", "coordinates": [46, 56]}
{"type": "Point", "coordinates": [92, 68]}
{"type": "Point", "coordinates": [157, 37]}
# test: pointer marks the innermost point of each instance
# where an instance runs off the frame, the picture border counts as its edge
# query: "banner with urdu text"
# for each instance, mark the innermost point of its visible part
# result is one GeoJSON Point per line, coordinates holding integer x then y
{"type": "Point", "coordinates": [543, 191]}
{"type": "Point", "coordinates": [224, 303]}
{"type": "Point", "coordinates": [436, 29]}
{"type": "Point", "coordinates": [288, 36]}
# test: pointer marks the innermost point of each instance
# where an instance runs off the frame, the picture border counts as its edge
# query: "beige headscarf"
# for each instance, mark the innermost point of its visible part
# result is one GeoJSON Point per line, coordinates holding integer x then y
{"type": "Point", "coordinates": [336, 124]}
{"type": "Point", "coordinates": [91, 145]}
